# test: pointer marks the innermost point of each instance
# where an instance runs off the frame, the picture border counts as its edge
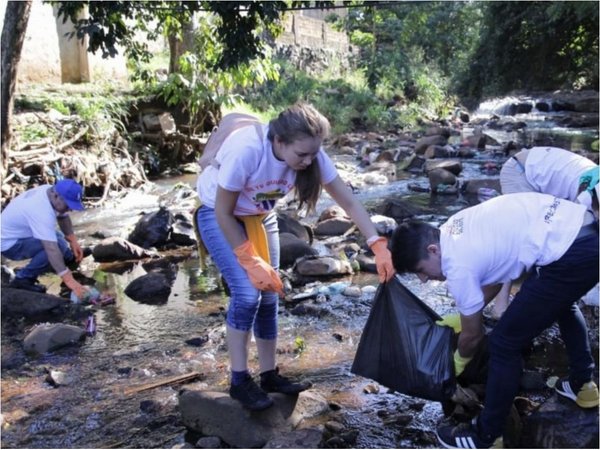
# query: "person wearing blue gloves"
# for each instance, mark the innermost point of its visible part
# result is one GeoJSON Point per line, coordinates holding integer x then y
{"type": "Point", "coordinates": [481, 247]}
{"type": "Point", "coordinates": [29, 232]}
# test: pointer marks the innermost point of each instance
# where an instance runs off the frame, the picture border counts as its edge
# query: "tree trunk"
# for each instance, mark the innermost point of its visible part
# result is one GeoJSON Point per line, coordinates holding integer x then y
{"type": "Point", "coordinates": [178, 47]}
{"type": "Point", "coordinates": [13, 35]}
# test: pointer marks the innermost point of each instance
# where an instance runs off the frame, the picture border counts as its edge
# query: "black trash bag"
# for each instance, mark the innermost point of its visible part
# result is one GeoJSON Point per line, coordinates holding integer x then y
{"type": "Point", "coordinates": [402, 348]}
{"type": "Point", "coordinates": [153, 229]}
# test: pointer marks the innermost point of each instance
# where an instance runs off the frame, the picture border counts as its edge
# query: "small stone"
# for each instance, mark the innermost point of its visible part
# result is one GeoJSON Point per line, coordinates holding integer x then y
{"type": "Point", "coordinates": [209, 442]}
{"type": "Point", "coordinates": [371, 389]}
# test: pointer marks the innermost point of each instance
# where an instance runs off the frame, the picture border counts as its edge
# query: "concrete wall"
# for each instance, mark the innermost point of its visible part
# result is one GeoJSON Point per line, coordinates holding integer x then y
{"type": "Point", "coordinates": [305, 31]}
{"type": "Point", "coordinates": [42, 51]}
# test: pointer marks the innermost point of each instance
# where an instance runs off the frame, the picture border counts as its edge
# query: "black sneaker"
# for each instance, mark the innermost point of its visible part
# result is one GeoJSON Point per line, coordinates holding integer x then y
{"type": "Point", "coordinates": [27, 284]}
{"type": "Point", "coordinates": [464, 435]}
{"type": "Point", "coordinates": [250, 395]}
{"type": "Point", "coordinates": [271, 381]}
{"type": "Point", "coordinates": [586, 395]}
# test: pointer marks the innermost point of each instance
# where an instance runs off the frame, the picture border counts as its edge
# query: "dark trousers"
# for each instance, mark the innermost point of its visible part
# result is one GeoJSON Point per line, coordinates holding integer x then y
{"type": "Point", "coordinates": [549, 295]}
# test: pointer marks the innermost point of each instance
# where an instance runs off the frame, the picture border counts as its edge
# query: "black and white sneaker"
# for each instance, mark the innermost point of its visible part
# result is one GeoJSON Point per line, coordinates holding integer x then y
{"type": "Point", "coordinates": [464, 435]}
{"type": "Point", "coordinates": [586, 395]}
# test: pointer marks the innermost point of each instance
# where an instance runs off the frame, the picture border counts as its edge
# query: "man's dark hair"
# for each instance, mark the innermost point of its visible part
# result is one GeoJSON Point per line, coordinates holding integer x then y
{"type": "Point", "coordinates": [409, 244]}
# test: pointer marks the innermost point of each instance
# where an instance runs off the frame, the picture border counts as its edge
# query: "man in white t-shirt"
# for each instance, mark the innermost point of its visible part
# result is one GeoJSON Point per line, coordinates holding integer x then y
{"type": "Point", "coordinates": [29, 232]}
{"type": "Point", "coordinates": [548, 170]}
{"type": "Point", "coordinates": [494, 242]}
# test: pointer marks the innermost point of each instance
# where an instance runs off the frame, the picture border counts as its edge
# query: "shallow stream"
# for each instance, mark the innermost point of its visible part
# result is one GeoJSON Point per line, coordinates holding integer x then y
{"type": "Point", "coordinates": [138, 343]}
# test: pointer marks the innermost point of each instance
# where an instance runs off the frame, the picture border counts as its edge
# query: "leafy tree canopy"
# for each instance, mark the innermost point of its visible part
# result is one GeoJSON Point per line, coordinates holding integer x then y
{"type": "Point", "coordinates": [534, 45]}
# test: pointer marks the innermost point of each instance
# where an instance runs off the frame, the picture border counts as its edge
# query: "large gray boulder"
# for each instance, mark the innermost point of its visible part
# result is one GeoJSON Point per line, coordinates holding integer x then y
{"type": "Point", "coordinates": [333, 227]}
{"type": "Point", "coordinates": [22, 303]}
{"type": "Point", "coordinates": [153, 229]}
{"type": "Point", "coordinates": [292, 248]}
{"type": "Point", "coordinates": [151, 288]}
{"type": "Point", "coordinates": [118, 249]}
{"type": "Point", "coordinates": [560, 423]}
{"type": "Point", "coordinates": [322, 266]}
{"type": "Point", "coordinates": [47, 337]}
{"type": "Point", "coordinates": [287, 224]}
{"type": "Point", "coordinates": [217, 414]}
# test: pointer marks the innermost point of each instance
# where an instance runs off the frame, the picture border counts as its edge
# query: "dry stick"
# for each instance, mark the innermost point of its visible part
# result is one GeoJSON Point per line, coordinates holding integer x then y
{"type": "Point", "coordinates": [34, 145]}
{"type": "Point", "coordinates": [166, 382]}
{"type": "Point", "coordinates": [27, 153]}
{"type": "Point", "coordinates": [73, 139]}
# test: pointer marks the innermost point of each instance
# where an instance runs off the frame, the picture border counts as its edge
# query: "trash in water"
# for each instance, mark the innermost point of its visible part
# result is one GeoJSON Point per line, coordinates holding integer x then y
{"type": "Point", "coordinates": [91, 295]}
{"type": "Point", "coordinates": [90, 325]}
{"type": "Point", "coordinates": [94, 297]}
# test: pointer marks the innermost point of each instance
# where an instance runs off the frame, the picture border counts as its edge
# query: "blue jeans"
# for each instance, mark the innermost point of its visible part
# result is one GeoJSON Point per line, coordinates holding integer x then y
{"type": "Point", "coordinates": [249, 308]}
{"type": "Point", "coordinates": [549, 295]}
{"type": "Point", "coordinates": [32, 248]}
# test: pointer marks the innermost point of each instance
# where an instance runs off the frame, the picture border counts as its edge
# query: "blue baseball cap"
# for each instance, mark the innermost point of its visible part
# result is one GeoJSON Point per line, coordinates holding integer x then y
{"type": "Point", "coordinates": [71, 192]}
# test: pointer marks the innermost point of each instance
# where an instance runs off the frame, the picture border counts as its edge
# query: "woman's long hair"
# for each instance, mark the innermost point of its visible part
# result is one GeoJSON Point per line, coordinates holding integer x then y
{"type": "Point", "coordinates": [298, 122]}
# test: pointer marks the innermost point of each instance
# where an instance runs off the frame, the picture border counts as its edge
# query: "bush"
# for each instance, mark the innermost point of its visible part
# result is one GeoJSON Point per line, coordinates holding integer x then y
{"type": "Point", "coordinates": [348, 103]}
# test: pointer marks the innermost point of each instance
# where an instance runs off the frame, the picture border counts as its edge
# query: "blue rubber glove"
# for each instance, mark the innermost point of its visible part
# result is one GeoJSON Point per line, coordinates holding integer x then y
{"type": "Point", "coordinates": [590, 177]}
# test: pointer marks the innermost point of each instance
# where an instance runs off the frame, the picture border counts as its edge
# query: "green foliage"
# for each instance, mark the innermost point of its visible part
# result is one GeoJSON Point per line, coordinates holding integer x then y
{"type": "Point", "coordinates": [411, 51]}
{"type": "Point", "coordinates": [536, 46]}
{"type": "Point", "coordinates": [102, 112]}
{"type": "Point", "coordinates": [299, 345]}
{"type": "Point", "coordinates": [347, 102]}
{"type": "Point", "coordinates": [59, 106]}
{"type": "Point", "coordinates": [33, 132]}
{"type": "Point", "coordinates": [200, 83]}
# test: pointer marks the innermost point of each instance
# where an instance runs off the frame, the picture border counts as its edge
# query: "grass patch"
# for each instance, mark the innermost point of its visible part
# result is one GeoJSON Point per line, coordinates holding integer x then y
{"type": "Point", "coordinates": [347, 102]}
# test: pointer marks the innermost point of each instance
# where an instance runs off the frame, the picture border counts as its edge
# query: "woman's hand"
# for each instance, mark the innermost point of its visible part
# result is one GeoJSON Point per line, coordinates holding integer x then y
{"type": "Point", "coordinates": [383, 259]}
{"type": "Point", "coordinates": [261, 274]}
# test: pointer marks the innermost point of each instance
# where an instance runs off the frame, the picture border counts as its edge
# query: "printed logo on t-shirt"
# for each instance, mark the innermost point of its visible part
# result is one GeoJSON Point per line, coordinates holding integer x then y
{"type": "Point", "coordinates": [456, 226]}
{"type": "Point", "coordinates": [267, 200]}
{"type": "Point", "coordinates": [552, 210]}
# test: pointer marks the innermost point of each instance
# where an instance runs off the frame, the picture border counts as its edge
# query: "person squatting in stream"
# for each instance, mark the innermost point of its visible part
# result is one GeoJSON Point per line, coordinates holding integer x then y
{"type": "Point", "coordinates": [29, 232]}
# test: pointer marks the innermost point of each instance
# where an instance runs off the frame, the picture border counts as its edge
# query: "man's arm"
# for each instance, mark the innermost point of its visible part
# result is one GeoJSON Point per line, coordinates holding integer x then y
{"type": "Point", "coordinates": [66, 226]}
{"type": "Point", "coordinates": [55, 257]}
{"type": "Point", "coordinates": [490, 291]}
{"type": "Point", "coordinates": [56, 260]}
{"type": "Point", "coordinates": [472, 333]}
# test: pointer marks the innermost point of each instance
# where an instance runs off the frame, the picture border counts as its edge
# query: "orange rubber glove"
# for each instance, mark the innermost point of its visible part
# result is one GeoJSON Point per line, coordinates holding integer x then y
{"type": "Point", "coordinates": [261, 274]}
{"type": "Point", "coordinates": [383, 259]}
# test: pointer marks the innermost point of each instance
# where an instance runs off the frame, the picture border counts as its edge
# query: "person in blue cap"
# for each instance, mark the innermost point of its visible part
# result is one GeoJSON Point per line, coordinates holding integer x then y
{"type": "Point", "coordinates": [28, 231]}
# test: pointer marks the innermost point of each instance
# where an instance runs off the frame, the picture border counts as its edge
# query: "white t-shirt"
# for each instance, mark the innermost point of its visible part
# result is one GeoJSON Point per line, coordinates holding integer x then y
{"type": "Point", "coordinates": [555, 171]}
{"type": "Point", "coordinates": [251, 168]}
{"type": "Point", "coordinates": [495, 241]}
{"type": "Point", "coordinates": [29, 214]}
